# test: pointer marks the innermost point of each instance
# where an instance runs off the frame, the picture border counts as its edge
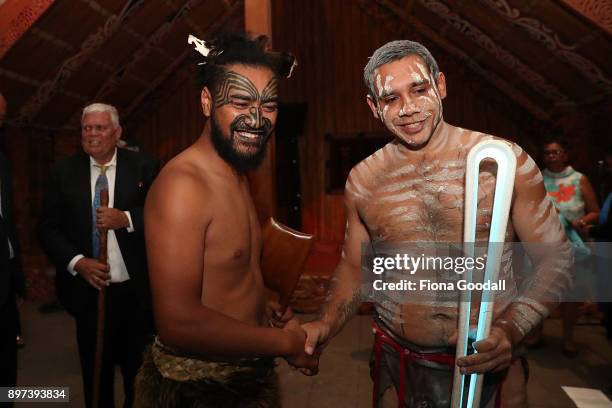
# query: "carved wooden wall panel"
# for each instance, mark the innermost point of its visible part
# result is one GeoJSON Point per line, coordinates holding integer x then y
{"type": "Point", "coordinates": [16, 17]}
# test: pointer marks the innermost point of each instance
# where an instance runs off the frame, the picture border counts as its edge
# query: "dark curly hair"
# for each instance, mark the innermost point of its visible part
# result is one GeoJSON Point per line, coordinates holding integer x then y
{"type": "Point", "coordinates": [556, 138]}
{"type": "Point", "coordinates": [235, 48]}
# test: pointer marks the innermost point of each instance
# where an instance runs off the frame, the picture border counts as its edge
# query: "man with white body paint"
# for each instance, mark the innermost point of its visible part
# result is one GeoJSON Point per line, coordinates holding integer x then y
{"type": "Point", "coordinates": [412, 190]}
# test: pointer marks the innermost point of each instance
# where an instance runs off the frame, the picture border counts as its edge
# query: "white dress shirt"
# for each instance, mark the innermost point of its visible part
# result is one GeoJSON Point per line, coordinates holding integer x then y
{"type": "Point", "coordinates": [118, 270]}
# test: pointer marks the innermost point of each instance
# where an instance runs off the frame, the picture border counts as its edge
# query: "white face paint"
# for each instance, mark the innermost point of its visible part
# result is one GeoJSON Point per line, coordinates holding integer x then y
{"type": "Point", "coordinates": [409, 100]}
{"type": "Point", "coordinates": [388, 80]}
{"type": "Point", "coordinates": [417, 76]}
{"type": "Point", "coordinates": [379, 85]}
{"type": "Point", "coordinates": [382, 90]}
{"type": "Point", "coordinates": [424, 70]}
{"type": "Point", "coordinates": [384, 112]}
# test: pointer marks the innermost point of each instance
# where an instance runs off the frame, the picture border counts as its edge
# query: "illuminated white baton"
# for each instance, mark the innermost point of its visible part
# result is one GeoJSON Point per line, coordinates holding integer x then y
{"type": "Point", "coordinates": [502, 153]}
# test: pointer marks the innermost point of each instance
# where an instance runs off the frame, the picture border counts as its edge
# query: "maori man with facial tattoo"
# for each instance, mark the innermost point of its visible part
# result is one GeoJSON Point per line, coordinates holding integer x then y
{"type": "Point", "coordinates": [412, 190]}
{"type": "Point", "coordinates": [216, 345]}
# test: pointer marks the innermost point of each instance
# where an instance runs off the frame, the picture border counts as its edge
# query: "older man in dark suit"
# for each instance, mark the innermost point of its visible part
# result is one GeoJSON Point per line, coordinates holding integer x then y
{"type": "Point", "coordinates": [11, 276]}
{"type": "Point", "coordinates": [71, 216]}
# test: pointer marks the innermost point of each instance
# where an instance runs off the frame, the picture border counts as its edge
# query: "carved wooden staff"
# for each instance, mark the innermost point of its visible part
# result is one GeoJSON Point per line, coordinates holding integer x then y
{"type": "Point", "coordinates": [103, 258]}
{"type": "Point", "coordinates": [501, 152]}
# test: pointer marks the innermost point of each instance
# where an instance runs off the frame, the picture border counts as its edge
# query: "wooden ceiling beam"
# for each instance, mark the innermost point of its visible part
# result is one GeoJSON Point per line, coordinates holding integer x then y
{"type": "Point", "coordinates": [541, 33]}
{"type": "Point", "coordinates": [130, 112]}
{"type": "Point", "coordinates": [16, 18]}
{"type": "Point", "coordinates": [105, 13]}
{"type": "Point", "coordinates": [491, 77]}
{"type": "Point", "coordinates": [408, 7]}
{"type": "Point", "coordinates": [51, 38]}
{"type": "Point", "coordinates": [91, 44]}
{"type": "Point", "coordinates": [455, 6]}
{"type": "Point", "coordinates": [125, 70]}
{"type": "Point", "coordinates": [195, 28]}
{"type": "Point", "coordinates": [23, 79]}
{"type": "Point", "coordinates": [523, 73]}
{"type": "Point", "coordinates": [597, 12]}
{"type": "Point", "coordinates": [59, 43]}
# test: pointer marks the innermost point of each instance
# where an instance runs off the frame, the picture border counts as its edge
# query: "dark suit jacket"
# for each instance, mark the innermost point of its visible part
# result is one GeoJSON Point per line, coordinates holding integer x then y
{"type": "Point", "coordinates": [7, 231]}
{"type": "Point", "coordinates": [65, 228]}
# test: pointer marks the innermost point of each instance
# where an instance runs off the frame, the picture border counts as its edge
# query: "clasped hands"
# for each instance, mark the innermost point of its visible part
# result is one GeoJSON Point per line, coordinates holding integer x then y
{"type": "Point", "coordinates": [494, 353]}
{"type": "Point", "coordinates": [308, 363]}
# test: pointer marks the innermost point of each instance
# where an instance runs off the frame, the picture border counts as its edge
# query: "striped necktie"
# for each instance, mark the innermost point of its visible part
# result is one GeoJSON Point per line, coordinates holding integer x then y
{"type": "Point", "coordinates": [101, 184]}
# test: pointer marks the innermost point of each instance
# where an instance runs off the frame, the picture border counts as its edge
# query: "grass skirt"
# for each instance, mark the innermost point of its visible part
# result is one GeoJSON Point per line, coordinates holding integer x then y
{"type": "Point", "coordinates": [193, 383]}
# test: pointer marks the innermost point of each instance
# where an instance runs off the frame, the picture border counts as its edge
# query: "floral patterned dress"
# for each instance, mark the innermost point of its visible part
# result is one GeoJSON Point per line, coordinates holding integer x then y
{"type": "Point", "coordinates": [564, 189]}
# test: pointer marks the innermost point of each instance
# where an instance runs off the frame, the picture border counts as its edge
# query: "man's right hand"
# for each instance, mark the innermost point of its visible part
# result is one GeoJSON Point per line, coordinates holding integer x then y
{"type": "Point", "coordinates": [307, 363]}
{"type": "Point", "coordinates": [94, 272]}
{"type": "Point", "coordinates": [317, 334]}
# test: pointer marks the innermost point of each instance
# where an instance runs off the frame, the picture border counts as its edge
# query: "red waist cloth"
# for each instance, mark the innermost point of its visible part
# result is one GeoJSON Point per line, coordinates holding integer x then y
{"type": "Point", "coordinates": [407, 356]}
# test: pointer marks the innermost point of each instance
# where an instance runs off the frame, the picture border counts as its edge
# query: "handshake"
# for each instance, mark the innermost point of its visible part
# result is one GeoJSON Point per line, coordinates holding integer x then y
{"type": "Point", "coordinates": [307, 340]}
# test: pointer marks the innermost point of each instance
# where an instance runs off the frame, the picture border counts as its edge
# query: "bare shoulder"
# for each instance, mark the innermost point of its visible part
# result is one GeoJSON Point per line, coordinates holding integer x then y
{"type": "Point", "coordinates": [528, 177]}
{"type": "Point", "coordinates": [471, 138]}
{"type": "Point", "coordinates": [364, 176]}
{"type": "Point", "coordinates": [180, 187]}
{"type": "Point", "coordinates": [528, 173]}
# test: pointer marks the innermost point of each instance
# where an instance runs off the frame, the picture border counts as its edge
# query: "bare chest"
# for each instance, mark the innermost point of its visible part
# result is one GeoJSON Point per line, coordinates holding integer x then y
{"type": "Point", "coordinates": [233, 238]}
{"type": "Point", "coordinates": [425, 202]}
{"type": "Point", "coordinates": [232, 283]}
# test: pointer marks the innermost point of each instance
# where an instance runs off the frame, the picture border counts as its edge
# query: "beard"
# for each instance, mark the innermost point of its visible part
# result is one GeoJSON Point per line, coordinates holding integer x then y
{"type": "Point", "coordinates": [228, 147]}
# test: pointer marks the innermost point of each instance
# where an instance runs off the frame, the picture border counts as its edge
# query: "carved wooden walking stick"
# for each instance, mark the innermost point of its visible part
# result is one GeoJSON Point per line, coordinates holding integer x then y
{"type": "Point", "coordinates": [103, 258]}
